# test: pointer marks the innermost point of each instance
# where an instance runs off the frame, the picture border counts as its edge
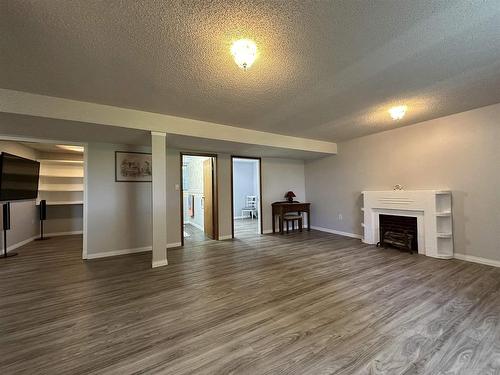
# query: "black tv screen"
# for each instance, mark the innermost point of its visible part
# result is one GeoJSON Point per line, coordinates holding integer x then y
{"type": "Point", "coordinates": [18, 177]}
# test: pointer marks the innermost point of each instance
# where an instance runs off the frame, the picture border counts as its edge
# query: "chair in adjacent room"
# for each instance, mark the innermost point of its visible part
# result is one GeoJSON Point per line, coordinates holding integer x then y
{"type": "Point", "coordinates": [250, 206]}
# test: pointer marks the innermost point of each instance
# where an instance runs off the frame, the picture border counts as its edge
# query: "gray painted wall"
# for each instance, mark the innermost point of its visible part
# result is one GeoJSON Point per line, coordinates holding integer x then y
{"type": "Point", "coordinates": [459, 152]}
{"type": "Point", "coordinates": [119, 213]}
{"type": "Point", "coordinates": [278, 177]}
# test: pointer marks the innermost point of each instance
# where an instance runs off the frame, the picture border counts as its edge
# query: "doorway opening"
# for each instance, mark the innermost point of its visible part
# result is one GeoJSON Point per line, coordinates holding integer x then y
{"type": "Point", "coordinates": [246, 187]}
{"type": "Point", "coordinates": [51, 203]}
{"type": "Point", "coordinates": [199, 216]}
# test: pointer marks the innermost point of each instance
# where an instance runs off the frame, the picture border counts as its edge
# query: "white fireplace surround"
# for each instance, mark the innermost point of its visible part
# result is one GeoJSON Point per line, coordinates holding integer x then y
{"type": "Point", "coordinates": [432, 208]}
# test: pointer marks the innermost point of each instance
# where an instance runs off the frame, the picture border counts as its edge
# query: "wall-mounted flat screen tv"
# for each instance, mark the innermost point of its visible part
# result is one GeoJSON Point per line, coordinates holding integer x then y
{"type": "Point", "coordinates": [18, 177]}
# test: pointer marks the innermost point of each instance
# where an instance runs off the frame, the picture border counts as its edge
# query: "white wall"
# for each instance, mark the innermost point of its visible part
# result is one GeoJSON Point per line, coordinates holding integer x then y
{"type": "Point", "coordinates": [459, 152]}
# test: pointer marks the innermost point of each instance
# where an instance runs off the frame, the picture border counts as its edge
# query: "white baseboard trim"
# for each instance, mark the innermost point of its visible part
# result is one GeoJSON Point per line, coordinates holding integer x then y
{"type": "Point", "coordinates": [340, 233]}
{"type": "Point", "coordinates": [267, 231]}
{"type": "Point", "coordinates": [160, 263]}
{"type": "Point", "coordinates": [174, 244]}
{"type": "Point", "coordinates": [19, 244]}
{"type": "Point", "coordinates": [105, 254]}
{"type": "Point", "coordinates": [228, 237]}
{"type": "Point", "coordinates": [474, 259]}
{"type": "Point", "coordinates": [56, 234]}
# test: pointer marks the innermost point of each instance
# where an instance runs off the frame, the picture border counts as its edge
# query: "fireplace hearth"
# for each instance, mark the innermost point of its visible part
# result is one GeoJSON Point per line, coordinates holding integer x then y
{"type": "Point", "coordinates": [399, 232]}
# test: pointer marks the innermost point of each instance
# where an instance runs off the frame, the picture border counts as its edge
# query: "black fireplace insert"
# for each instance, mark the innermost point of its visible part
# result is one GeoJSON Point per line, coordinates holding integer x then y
{"type": "Point", "coordinates": [399, 232]}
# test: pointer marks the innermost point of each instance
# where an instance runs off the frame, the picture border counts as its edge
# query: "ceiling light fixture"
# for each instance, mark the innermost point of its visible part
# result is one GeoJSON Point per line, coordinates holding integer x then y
{"type": "Point", "coordinates": [398, 112]}
{"type": "Point", "coordinates": [244, 52]}
{"type": "Point", "coordinates": [71, 148]}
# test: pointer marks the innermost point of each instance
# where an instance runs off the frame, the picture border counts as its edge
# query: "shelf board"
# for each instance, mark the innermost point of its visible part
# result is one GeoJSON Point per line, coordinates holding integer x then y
{"type": "Point", "coordinates": [61, 187]}
{"type": "Point", "coordinates": [67, 190]}
{"type": "Point", "coordinates": [443, 235]}
{"type": "Point", "coordinates": [60, 161]}
{"type": "Point", "coordinates": [61, 203]}
{"type": "Point", "coordinates": [443, 214]}
{"type": "Point", "coordinates": [61, 175]}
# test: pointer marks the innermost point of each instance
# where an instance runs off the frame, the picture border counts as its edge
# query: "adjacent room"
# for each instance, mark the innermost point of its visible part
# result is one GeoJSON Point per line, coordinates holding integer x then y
{"type": "Point", "coordinates": [42, 192]}
{"type": "Point", "coordinates": [246, 184]}
{"type": "Point", "coordinates": [198, 198]}
{"type": "Point", "coordinates": [250, 187]}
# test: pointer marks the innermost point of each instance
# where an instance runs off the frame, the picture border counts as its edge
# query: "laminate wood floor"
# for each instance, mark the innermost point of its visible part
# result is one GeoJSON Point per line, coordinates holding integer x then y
{"type": "Point", "coordinates": [244, 228]}
{"type": "Point", "coordinates": [195, 235]}
{"type": "Point", "coordinates": [304, 303]}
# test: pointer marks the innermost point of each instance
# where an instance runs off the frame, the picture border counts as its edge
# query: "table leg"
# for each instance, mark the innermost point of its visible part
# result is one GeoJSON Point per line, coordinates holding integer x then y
{"type": "Point", "coordinates": [274, 223]}
{"type": "Point", "coordinates": [308, 220]}
{"type": "Point", "coordinates": [281, 224]}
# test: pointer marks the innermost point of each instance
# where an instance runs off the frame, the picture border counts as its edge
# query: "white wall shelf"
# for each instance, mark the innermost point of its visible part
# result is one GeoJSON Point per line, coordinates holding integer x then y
{"type": "Point", "coordinates": [61, 161]}
{"type": "Point", "coordinates": [61, 187]}
{"type": "Point", "coordinates": [61, 203]}
{"type": "Point", "coordinates": [61, 182]}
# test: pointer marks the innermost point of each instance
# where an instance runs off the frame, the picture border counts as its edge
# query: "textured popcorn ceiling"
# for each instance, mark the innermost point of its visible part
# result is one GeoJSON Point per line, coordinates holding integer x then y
{"type": "Point", "coordinates": [327, 69]}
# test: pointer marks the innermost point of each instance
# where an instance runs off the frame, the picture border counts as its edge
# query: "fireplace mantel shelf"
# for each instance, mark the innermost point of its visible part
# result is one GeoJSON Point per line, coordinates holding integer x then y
{"type": "Point", "coordinates": [432, 208]}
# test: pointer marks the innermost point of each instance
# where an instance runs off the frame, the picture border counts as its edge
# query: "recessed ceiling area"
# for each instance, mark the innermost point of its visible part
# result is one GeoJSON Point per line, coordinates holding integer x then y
{"type": "Point", "coordinates": [326, 70]}
{"type": "Point", "coordinates": [54, 148]}
{"type": "Point", "coordinates": [22, 126]}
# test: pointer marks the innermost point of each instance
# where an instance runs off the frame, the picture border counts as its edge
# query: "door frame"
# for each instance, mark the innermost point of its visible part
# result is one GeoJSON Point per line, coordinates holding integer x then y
{"type": "Point", "coordinates": [215, 192]}
{"type": "Point", "coordinates": [261, 218]}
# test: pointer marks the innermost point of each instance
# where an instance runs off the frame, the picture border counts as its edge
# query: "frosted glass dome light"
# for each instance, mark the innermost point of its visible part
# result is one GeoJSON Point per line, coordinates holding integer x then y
{"type": "Point", "coordinates": [244, 52]}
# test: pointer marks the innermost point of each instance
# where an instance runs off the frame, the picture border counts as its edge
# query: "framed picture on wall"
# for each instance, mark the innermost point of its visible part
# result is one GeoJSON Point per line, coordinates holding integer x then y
{"type": "Point", "coordinates": [132, 166]}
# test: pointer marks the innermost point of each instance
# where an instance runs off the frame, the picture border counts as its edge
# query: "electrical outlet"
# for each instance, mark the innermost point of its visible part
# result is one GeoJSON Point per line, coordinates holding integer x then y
{"type": "Point", "coordinates": [340, 217]}
{"type": "Point", "coordinates": [177, 187]}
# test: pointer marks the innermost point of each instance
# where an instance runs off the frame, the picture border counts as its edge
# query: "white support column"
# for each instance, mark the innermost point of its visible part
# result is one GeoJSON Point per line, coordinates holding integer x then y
{"type": "Point", "coordinates": [159, 194]}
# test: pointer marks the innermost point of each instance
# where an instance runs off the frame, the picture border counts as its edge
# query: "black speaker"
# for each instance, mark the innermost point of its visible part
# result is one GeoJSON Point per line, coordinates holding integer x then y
{"type": "Point", "coordinates": [43, 209]}
{"type": "Point", "coordinates": [6, 216]}
{"type": "Point", "coordinates": [43, 217]}
{"type": "Point", "coordinates": [6, 227]}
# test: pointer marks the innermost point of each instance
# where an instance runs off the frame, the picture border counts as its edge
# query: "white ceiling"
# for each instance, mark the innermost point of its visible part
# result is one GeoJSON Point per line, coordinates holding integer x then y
{"type": "Point", "coordinates": [327, 70]}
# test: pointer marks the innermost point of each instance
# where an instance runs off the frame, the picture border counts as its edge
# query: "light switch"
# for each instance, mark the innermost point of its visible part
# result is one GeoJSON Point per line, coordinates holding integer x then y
{"type": "Point", "coordinates": [177, 187]}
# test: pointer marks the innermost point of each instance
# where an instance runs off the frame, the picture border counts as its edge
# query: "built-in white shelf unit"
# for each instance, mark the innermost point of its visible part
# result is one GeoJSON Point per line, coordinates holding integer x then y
{"type": "Point", "coordinates": [61, 182]}
{"type": "Point", "coordinates": [432, 208]}
{"type": "Point", "coordinates": [444, 223]}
